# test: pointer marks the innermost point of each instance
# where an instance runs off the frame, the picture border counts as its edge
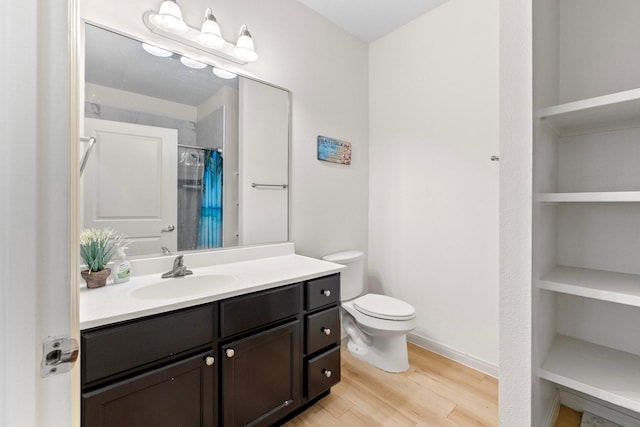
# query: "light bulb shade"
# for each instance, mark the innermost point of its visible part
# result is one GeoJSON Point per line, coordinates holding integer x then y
{"type": "Point", "coordinates": [210, 34]}
{"type": "Point", "coordinates": [192, 63]}
{"type": "Point", "coordinates": [224, 74]}
{"type": "Point", "coordinates": [156, 51]}
{"type": "Point", "coordinates": [244, 49]}
{"type": "Point", "coordinates": [170, 17]}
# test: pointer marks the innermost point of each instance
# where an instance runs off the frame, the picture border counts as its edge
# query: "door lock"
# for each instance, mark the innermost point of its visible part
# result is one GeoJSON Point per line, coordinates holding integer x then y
{"type": "Point", "coordinates": [59, 354]}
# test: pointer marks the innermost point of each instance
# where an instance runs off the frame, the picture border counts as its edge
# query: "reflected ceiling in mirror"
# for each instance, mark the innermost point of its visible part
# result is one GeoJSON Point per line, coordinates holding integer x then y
{"type": "Point", "coordinates": [178, 149]}
{"type": "Point", "coordinates": [119, 62]}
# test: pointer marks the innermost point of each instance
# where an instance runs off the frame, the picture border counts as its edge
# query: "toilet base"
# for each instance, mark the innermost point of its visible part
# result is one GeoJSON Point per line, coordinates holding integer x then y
{"type": "Point", "coordinates": [388, 353]}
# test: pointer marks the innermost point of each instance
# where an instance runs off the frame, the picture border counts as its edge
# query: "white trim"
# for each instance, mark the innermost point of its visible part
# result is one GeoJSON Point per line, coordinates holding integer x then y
{"type": "Point", "coordinates": [76, 107]}
{"type": "Point", "coordinates": [455, 355]}
{"type": "Point", "coordinates": [553, 412]}
{"type": "Point", "coordinates": [582, 403]}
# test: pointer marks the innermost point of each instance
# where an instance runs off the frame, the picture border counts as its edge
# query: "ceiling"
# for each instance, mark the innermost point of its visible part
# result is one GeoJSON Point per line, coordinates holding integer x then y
{"type": "Point", "coordinates": [369, 20]}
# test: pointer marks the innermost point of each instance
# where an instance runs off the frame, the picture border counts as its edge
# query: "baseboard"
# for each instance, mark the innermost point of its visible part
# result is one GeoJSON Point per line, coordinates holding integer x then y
{"type": "Point", "coordinates": [455, 355]}
{"type": "Point", "coordinates": [583, 403]}
{"type": "Point", "coordinates": [552, 414]}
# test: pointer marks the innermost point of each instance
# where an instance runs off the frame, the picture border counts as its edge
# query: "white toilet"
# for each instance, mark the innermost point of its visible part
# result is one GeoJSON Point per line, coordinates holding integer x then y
{"type": "Point", "coordinates": [377, 325]}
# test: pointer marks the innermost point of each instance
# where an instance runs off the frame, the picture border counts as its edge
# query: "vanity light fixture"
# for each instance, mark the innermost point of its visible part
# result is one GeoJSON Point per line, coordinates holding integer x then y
{"type": "Point", "coordinates": [192, 63]}
{"type": "Point", "coordinates": [224, 74]}
{"type": "Point", "coordinates": [210, 34]}
{"type": "Point", "coordinates": [169, 17]}
{"type": "Point", "coordinates": [244, 46]}
{"type": "Point", "coordinates": [167, 22]}
{"type": "Point", "coordinates": [155, 50]}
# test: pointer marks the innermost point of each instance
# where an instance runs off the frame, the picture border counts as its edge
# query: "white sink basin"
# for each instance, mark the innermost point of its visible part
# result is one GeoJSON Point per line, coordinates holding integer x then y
{"type": "Point", "coordinates": [183, 286]}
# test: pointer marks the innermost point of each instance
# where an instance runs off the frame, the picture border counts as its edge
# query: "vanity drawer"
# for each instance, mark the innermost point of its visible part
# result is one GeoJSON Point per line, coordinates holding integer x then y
{"type": "Point", "coordinates": [322, 291]}
{"type": "Point", "coordinates": [252, 311]}
{"type": "Point", "coordinates": [322, 329]}
{"type": "Point", "coordinates": [114, 349]}
{"type": "Point", "coordinates": [323, 372]}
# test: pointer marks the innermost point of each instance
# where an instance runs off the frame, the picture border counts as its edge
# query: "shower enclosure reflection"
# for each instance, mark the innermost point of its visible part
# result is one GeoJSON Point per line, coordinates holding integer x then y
{"type": "Point", "coordinates": [200, 217]}
{"type": "Point", "coordinates": [177, 150]}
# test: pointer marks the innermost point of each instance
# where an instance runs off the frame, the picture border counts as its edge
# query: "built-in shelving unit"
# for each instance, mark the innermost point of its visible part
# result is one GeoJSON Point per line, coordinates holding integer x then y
{"type": "Point", "coordinates": [591, 197]}
{"type": "Point", "coordinates": [615, 109]}
{"type": "Point", "coordinates": [596, 370]}
{"type": "Point", "coordinates": [602, 372]}
{"type": "Point", "coordinates": [587, 210]}
{"type": "Point", "coordinates": [597, 284]}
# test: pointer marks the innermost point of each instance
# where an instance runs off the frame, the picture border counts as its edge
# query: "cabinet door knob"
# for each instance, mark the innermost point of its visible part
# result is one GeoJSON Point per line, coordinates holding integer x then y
{"type": "Point", "coordinates": [326, 292]}
{"type": "Point", "coordinates": [230, 352]}
{"type": "Point", "coordinates": [327, 373]}
{"type": "Point", "coordinates": [326, 331]}
{"type": "Point", "coordinates": [209, 360]}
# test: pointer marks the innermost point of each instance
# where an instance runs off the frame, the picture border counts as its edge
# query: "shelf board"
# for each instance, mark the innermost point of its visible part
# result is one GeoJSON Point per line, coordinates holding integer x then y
{"type": "Point", "coordinates": [591, 197]}
{"type": "Point", "coordinates": [602, 372]}
{"type": "Point", "coordinates": [593, 113]}
{"type": "Point", "coordinates": [597, 284]}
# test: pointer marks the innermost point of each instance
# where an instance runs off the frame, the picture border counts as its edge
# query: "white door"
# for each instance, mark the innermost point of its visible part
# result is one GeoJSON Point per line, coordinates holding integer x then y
{"type": "Point", "coordinates": [130, 183]}
{"type": "Point", "coordinates": [38, 241]}
{"type": "Point", "coordinates": [264, 161]}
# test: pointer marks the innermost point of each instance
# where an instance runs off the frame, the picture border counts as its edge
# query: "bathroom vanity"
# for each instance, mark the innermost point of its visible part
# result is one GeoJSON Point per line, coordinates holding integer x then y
{"type": "Point", "coordinates": [249, 351]}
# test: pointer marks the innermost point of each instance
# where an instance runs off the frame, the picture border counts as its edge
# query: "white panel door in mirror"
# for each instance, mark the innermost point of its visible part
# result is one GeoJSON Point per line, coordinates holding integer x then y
{"type": "Point", "coordinates": [130, 183]}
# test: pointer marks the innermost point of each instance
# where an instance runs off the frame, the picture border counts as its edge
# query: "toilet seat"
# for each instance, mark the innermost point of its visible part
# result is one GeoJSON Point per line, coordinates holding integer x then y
{"type": "Point", "coordinates": [384, 307]}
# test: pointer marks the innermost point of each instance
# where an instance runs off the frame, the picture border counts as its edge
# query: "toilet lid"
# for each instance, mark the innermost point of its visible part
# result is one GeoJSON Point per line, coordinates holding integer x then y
{"type": "Point", "coordinates": [384, 307]}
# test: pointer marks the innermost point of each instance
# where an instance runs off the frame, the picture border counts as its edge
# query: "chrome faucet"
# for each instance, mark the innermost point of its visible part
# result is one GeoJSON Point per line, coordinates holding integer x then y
{"type": "Point", "coordinates": [178, 270]}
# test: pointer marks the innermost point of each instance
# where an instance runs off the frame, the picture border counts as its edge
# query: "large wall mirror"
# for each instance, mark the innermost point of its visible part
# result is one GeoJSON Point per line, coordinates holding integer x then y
{"type": "Point", "coordinates": [176, 157]}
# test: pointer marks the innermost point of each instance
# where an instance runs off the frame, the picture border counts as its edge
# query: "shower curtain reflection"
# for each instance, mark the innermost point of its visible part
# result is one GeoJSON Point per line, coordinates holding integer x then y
{"type": "Point", "coordinates": [210, 230]}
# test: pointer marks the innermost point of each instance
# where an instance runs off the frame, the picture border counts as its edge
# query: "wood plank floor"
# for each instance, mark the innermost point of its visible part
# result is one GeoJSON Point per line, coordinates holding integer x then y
{"type": "Point", "coordinates": [435, 391]}
{"type": "Point", "coordinates": [568, 418]}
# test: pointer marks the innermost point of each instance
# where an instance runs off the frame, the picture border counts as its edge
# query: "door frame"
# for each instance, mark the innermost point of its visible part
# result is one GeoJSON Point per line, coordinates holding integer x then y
{"type": "Point", "coordinates": [38, 249]}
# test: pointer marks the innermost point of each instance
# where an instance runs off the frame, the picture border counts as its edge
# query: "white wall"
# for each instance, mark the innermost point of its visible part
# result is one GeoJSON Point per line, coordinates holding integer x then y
{"type": "Point", "coordinates": [585, 68]}
{"type": "Point", "coordinates": [326, 70]}
{"type": "Point", "coordinates": [433, 216]}
{"type": "Point", "coordinates": [516, 144]}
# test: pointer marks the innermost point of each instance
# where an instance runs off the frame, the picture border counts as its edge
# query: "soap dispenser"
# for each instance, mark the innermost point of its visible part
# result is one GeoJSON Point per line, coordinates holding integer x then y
{"type": "Point", "coordinates": [122, 267]}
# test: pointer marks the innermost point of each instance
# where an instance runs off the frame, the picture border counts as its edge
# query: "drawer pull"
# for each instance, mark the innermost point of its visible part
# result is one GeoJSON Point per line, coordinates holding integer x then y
{"type": "Point", "coordinates": [326, 331]}
{"type": "Point", "coordinates": [230, 352]}
{"type": "Point", "coordinates": [326, 373]}
{"type": "Point", "coordinates": [209, 360]}
{"type": "Point", "coordinates": [326, 292]}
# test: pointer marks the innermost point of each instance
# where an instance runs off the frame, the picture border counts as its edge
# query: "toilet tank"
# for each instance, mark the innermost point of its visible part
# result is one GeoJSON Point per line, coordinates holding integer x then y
{"type": "Point", "coordinates": [352, 277]}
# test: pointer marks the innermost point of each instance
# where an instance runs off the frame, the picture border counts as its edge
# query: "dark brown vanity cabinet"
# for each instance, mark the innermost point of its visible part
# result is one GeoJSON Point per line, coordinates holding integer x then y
{"type": "Point", "coordinates": [260, 356]}
{"type": "Point", "coordinates": [251, 360]}
{"type": "Point", "coordinates": [152, 372]}
{"type": "Point", "coordinates": [322, 335]}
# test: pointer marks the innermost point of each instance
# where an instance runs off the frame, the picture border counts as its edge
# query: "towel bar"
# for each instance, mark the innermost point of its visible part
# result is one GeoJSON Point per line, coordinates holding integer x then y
{"type": "Point", "coordinates": [254, 185]}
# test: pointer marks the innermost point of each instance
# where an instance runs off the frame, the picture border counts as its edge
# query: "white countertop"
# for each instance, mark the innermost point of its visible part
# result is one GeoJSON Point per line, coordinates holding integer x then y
{"type": "Point", "coordinates": [118, 302]}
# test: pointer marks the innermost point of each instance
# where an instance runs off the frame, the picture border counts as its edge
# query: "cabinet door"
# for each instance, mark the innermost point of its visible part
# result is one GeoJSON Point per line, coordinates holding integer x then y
{"type": "Point", "coordinates": [261, 376]}
{"type": "Point", "coordinates": [180, 394]}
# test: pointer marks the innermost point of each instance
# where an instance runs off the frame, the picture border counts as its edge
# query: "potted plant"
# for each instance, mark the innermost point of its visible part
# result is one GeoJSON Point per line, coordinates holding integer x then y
{"type": "Point", "coordinates": [97, 246]}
